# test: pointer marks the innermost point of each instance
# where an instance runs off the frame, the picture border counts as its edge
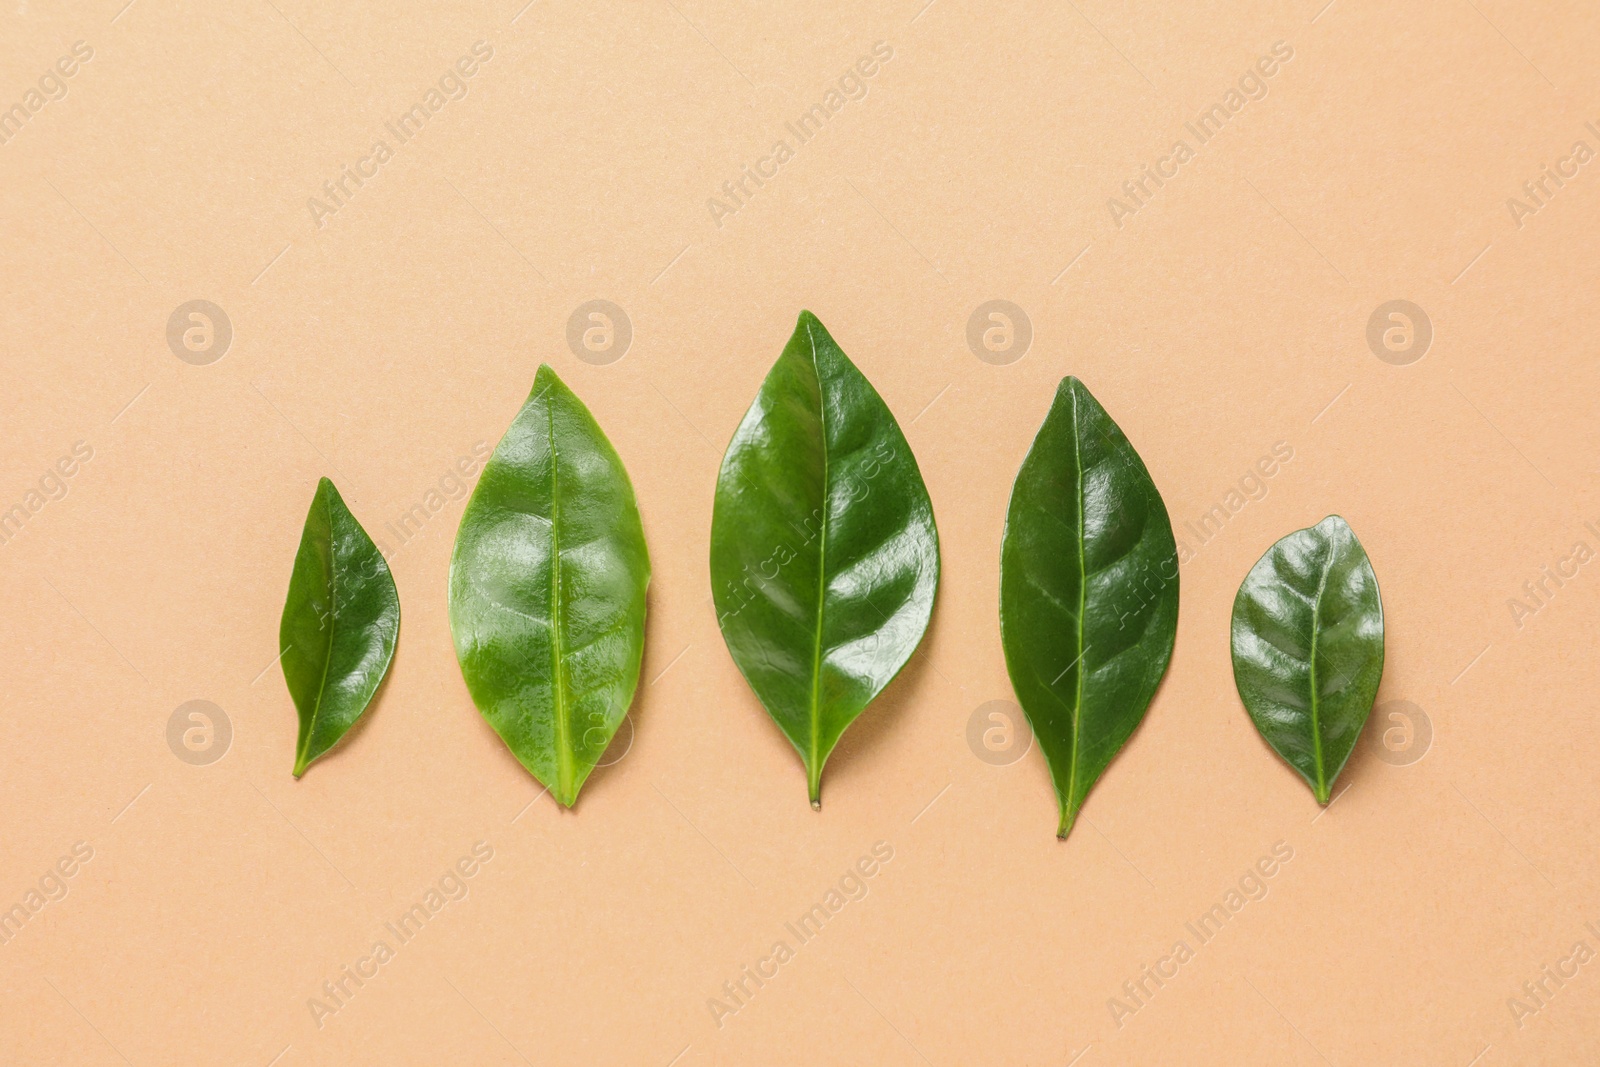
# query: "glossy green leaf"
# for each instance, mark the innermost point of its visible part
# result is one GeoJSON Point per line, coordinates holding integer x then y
{"type": "Point", "coordinates": [824, 556]}
{"type": "Point", "coordinates": [340, 624]}
{"type": "Point", "coordinates": [1308, 648]}
{"type": "Point", "coordinates": [1088, 592]}
{"type": "Point", "coordinates": [547, 589]}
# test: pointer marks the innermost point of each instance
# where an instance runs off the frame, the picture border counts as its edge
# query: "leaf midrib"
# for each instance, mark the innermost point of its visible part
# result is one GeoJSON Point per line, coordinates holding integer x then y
{"type": "Point", "coordinates": [327, 650]}
{"type": "Point", "coordinates": [564, 761]}
{"type": "Point", "coordinates": [1316, 716]}
{"type": "Point", "coordinates": [813, 764]}
{"type": "Point", "coordinates": [1077, 702]}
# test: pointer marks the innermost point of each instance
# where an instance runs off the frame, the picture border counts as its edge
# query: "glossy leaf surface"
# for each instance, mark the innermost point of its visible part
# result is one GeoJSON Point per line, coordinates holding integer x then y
{"type": "Point", "coordinates": [1308, 648]}
{"type": "Point", "coordinates": [340, 624]}
{"type": "Point", "coordinates": [824, 555]}
{"type": "Point", "coordinates": [547, 589]}
{"type": "Point", "coordinates": [1088, 592]}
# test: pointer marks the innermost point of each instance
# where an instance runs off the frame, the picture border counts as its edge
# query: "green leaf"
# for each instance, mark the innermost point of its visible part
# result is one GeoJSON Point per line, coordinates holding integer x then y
{"type": "Point", "coordinates": [340, 623]}
{"type": "Point", "coordinates": [1308, 648]}
{"type": "Point", "coordinates": [1088, 592]}
{"type": "Point", "coordinates": [547, 589]}
{"type": "Point", "coordinates": [824, 556]}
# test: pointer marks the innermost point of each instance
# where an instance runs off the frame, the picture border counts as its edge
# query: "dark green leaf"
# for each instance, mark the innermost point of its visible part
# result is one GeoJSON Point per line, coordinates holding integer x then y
{"type": "Point", "coordinates": [1088, 591]}
{"type": "Point", "coordinates": [1308, 648]}
{"type": "Point", "coordinates": [340, 623]}
{"type": "Point", "coordinates": [547, 589]}
{"type": "Point", "coordinates": [824, 556]}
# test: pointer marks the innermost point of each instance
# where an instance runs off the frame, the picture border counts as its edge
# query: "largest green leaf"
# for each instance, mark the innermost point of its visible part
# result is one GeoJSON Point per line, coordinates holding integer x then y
{"type": "Point", "coordinates": [1308, 648]}
{"type": "Point", "coordinates": [824, 556]}
{"type": "Point", "coordinates": [340, 623]}
{"type": "Point", "coordinates": [547, 589]}
{"type": "Point", "coordinates": [1088, 592]}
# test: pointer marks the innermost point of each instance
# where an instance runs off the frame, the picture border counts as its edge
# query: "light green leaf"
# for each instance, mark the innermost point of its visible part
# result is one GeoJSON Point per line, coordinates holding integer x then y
{"type": "Point", "coordinates": [547, 589]}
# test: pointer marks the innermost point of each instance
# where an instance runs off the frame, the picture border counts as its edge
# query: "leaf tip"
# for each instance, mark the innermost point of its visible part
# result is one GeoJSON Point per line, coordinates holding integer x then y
{"type": "Point", "coordinates": [810, 327]}
{"type": "Point", "coordinates": [1335, 527]}
{"type": "Point", "coordinates": [1072, 386]}
{"type": "Point", "coordinates": [544, 380]}
{"type": "Point", "coordinates": [326, 493]}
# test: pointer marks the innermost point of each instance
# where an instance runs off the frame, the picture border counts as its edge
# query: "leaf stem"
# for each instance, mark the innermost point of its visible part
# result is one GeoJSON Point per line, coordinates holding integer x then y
{"type": "Point", "coordinates": [1067, 819]}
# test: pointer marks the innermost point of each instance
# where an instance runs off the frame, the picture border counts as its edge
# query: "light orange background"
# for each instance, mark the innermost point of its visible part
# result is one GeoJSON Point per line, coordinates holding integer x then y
{"type": "Point", "coordinates": [1225, 315]}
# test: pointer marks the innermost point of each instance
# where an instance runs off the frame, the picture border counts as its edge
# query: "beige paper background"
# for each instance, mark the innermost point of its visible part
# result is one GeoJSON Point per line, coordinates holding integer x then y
{"type": "Point", "coordinates": [1227, 315]}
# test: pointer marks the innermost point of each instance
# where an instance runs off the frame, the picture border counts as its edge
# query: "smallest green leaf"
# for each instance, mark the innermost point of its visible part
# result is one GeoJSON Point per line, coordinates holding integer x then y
{"type": "Point", "coordinates": [1308, 648]}
{"type": "Point", "coordinates": [340, 624]}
